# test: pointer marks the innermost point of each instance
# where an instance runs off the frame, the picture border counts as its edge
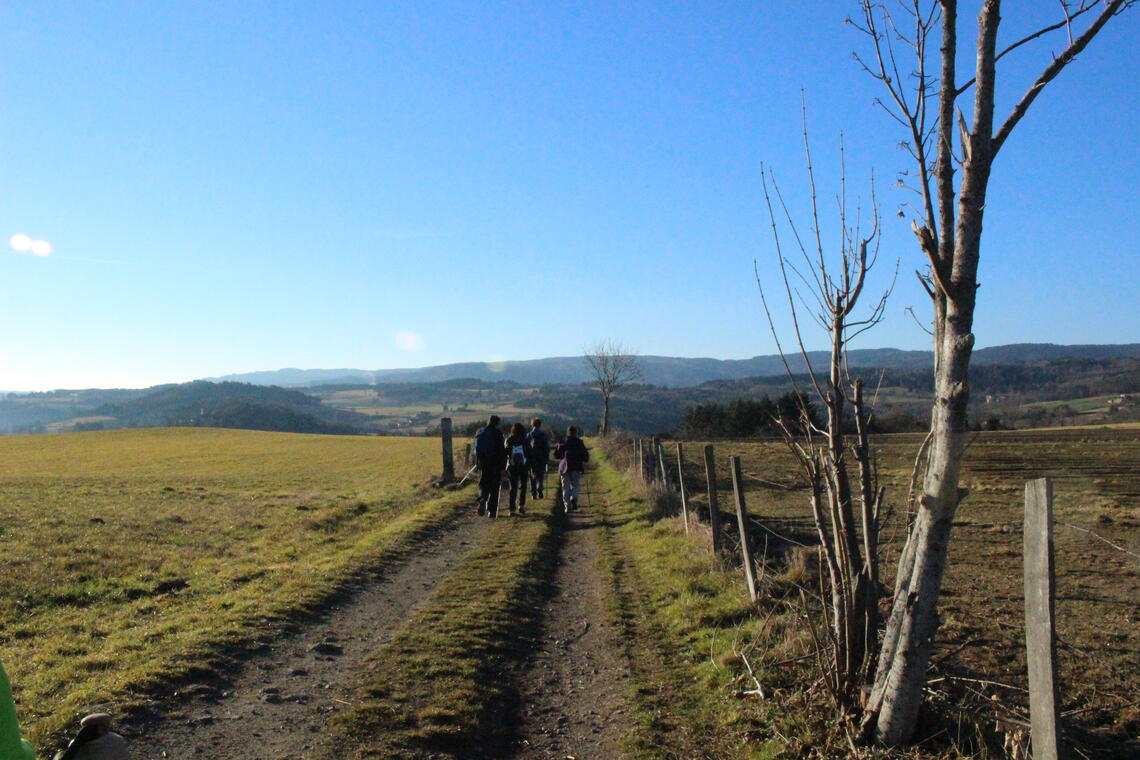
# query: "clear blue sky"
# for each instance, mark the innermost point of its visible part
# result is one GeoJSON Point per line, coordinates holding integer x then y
{"type": "Point", "coordinates": [237, 186]}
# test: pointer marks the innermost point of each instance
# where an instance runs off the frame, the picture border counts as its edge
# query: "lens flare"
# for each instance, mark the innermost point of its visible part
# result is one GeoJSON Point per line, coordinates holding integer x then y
{"type": "Point", "coordinates": [406, 340]}
{"type": "Point", "coordinates": [21, 243]}
{"type": "Point", "coordinates": [41, 248]}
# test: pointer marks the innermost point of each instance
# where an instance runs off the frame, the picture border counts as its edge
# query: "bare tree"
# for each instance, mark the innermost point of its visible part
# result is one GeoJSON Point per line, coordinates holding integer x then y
{"type": "Point", "coordinates": [827, 287]}
{"type": "Point", "coordinates": [924, 96]}
{"type": "Point", "coordinates": [613, 366]}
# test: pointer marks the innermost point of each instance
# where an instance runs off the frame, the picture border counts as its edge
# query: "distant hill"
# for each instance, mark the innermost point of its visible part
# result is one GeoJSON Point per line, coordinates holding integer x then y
{"type": "Point", "coordinates": [232, 405]}
{"type": "Point", "coordinates": [196, 404]}
{"type": "Point", "coordinates": [1034, 392]}
{"type": "Point", "coordinates": [667, 371]}
{"type": "Point", "coordinates": [296, 378]}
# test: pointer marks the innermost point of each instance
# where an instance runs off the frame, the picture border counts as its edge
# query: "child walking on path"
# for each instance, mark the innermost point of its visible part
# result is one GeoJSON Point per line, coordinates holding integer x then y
{"type": "Point", "coordinates": [573, 456]}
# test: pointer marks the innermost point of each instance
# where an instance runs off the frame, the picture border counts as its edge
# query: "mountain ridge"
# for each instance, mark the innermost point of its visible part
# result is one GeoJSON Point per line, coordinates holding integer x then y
{"type": "Point", "coordinates": [667, 371]}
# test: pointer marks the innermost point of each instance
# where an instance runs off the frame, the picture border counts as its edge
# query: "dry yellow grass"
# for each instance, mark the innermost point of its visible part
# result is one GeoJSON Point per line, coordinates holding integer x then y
{"type": "Point", "coordinates": [1096, 475]}
{"type": "Point", "coordinates": [130, 557]}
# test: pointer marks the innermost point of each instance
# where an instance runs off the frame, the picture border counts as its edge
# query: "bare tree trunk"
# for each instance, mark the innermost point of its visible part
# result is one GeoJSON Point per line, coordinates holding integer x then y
{"type": "Point", "coordinates": [605, 414]}
{"type": "Point", "coordinates": [898, 691]}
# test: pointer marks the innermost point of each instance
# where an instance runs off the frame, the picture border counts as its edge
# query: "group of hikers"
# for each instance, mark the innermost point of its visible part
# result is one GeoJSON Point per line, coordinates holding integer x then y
{"type": "Point", "coordinates": [524, 455]}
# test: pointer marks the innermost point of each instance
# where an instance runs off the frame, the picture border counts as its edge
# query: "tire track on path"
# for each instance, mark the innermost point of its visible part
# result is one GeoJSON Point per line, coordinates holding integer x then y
{"type": "Point", "coordinates": [574, 689]}
{"type": "Point", "coordinates": [276, 702]}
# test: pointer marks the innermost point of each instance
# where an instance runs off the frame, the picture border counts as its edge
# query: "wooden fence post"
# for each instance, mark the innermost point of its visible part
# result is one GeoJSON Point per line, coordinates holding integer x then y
{"type": "Point", "coordinates": [714, 509]}
{"type": "Point", "coordinates": [448, 456]}
{"type": "Point", "coordinates": [661, 462]}
{"type": "Point", "coordinates": [652, 463]}
{"type": "Point", "coordinates": [742, 522]}
{"type": "Point", "coordinates": [681, 484]}
{"type": "Point", "coordinates": [1040, 636]}
{"type": "Point", "coordinates": [467, 456]}
{"type": "Point", "coordinates": [641, 459]}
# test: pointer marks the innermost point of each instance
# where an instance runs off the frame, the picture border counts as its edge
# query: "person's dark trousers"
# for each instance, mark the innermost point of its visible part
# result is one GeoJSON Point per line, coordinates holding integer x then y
{"type": "Point", "coordinates": [537, 479]}
{"type": "Point", "coordinates": [517, 476]}
{"type": "Point", "coordinates": [490, 479]}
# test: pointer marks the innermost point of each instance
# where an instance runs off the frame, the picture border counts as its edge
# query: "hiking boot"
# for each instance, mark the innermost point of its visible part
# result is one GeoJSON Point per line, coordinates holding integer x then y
{"type": "Point", "coordinates": [482, 509]}
{"type": "Point", "coordinates": [522, 511]}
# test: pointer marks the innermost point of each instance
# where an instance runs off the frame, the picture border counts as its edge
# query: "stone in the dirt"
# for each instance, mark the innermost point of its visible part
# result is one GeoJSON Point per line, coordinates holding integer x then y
{"type": "Point", "coordinates": [199, 690]}
{"type": "Point", "coordinates": [326, 648]}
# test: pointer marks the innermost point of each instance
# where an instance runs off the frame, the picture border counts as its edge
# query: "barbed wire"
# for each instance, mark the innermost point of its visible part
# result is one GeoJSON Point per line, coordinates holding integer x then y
{"type": "Point", "coordinates": [1100, 537]}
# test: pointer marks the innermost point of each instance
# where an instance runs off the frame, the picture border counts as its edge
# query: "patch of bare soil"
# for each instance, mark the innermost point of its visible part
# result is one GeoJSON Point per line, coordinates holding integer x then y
{"type": "Point", "coordinates": [276, 703]}
{"type": "Point", "coordinates": [573, 690]}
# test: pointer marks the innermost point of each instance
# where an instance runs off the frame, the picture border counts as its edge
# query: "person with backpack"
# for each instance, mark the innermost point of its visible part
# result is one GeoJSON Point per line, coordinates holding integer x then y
{"type": "Point", "coordinates": [539, 444]}
{"type": "Point", "coordinates": [491, 458]}
{"type": "Point", "coordinates": [518, 466]}
{"type": "Point", "coordinates": [572, 455]}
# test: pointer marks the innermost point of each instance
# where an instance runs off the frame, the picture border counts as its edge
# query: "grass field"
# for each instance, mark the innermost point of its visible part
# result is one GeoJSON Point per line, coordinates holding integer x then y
{"type": "Point", "coordinates": [130, 559]}
{"type": "Point", "coordinates": [980, 654]}
{"type": "Point", "coordinates": [133, 557]}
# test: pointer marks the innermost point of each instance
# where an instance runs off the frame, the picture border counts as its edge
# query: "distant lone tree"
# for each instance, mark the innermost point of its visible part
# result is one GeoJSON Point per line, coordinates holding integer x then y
{"type": "Point", "coordinates": [613, 366]}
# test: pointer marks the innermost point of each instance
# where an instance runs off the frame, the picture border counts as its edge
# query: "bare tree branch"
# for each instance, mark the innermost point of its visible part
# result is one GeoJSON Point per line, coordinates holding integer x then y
{"type": "Point", "coordinates": [1054, 68]}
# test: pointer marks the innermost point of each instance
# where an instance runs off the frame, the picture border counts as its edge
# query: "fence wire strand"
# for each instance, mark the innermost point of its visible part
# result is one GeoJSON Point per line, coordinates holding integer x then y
{"type": "Point", "coordinates": [1100, 537]}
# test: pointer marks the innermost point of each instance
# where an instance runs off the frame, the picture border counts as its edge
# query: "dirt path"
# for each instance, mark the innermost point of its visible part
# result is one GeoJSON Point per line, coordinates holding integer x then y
{"type": "Point", "coordinates": [573, 690]}
{"type": "Point", "coordinates": [276, 703]}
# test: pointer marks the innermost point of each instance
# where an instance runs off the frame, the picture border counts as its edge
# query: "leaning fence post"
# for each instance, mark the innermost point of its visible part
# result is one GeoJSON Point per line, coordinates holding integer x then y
{"type": "Point", "coordinates": [742, 522]}
{"type": "Point", "coordinates": [714, 509]}
{"type": "Point", "coordinates": [661, 462]}
{"type": "Point", "coordinates": [448, 456]}
{"type": "Point", "coordinates": [681, 485]}
{"type": "Point", "coordinates": [1040, 636]}
{"type": "Point", "coordinates": [641, 459]}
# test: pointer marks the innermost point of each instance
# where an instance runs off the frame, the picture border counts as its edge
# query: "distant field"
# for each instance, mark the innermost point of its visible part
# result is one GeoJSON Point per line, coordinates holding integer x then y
{"type": "Point", "coordinates": [129, 556]}
{"type": "Point", "coordinates": [1096, 473]}
{"type": "Point", "coordinates": [417, 418]}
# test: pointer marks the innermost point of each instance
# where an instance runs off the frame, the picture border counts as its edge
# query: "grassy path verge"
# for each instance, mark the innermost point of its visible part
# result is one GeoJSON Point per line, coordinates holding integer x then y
{"type": "Point", "coordinates": [687, 626]}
